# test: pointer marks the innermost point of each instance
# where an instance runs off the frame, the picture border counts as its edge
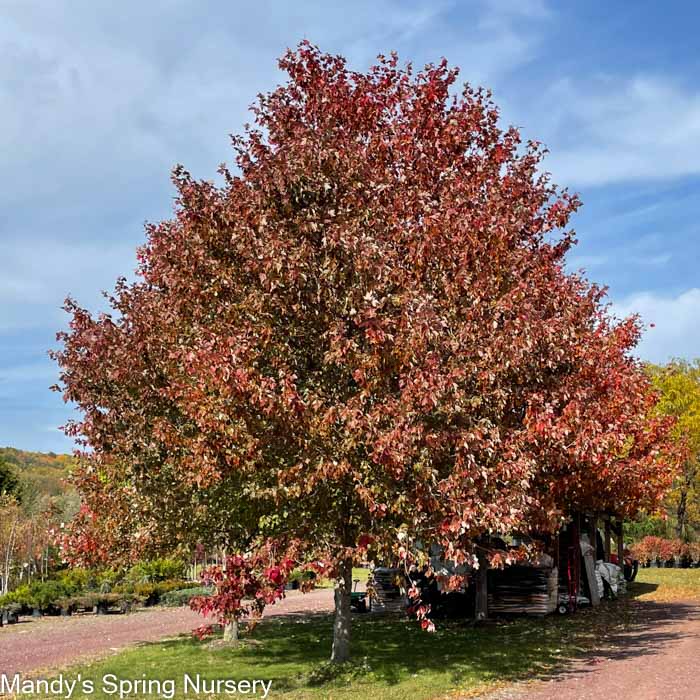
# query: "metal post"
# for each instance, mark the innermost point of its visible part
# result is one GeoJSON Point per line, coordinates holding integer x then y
{"type": "Point", "coordinates": [593, 535]}
{"type": "Point", "coordinates": [620, 542]}
{"type": "Point", "coordinates": [481, 609]}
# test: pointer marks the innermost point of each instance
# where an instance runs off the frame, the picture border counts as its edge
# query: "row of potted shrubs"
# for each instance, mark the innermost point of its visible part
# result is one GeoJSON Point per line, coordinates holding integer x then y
{"type": "Point", "coordinates": [662, 552]}
{"type": "Point", "coordinates": [149, 583]}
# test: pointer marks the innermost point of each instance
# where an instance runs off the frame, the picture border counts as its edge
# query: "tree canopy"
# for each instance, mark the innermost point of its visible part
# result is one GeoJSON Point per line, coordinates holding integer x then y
{"type": "Point", "coordinates": [9, 482]}
{"type": "Point", "coordinates": [362, 339]}
{"type": "Point", "coordinates": [679, 385]}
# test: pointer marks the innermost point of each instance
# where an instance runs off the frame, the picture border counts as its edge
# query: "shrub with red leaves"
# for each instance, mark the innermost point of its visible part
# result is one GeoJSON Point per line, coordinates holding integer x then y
{"type": "Point", "coordinates": [243, 587]}
{"type": "Point", "coordinates": [653, 548]}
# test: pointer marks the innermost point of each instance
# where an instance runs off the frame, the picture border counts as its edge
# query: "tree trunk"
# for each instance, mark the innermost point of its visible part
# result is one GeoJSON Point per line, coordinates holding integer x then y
{"type": "Point", "coordinates": [689, 475]}
{"type": "Point", "coordinates": [231, 631]}
{"type": "Point", "coordinates": [481, 605]}
{"type": "Point", "coordinates": [620, 543]}
{"type": "Point", "coordinates": [681, 511]}
{"type": "Point", "coordinates": [8, 558]}
{"type": "Point", "coordinates": [341, 624]}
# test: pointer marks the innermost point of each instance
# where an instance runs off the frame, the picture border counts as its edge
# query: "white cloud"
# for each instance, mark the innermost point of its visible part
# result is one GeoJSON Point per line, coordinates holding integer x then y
{"type": "Point", "coordinates": [496, 38]}
{"type": "Point", "coordinates": [676, 331]}
{"type": "Point", "coordinates": [28, 372]}
{"type": "Point", "coordinates": [98, 102]}
{"type": "Point", "coordinates": [39, 275]}
{"type": "Point", "coordinates": [619, 129]}
{"type": "Point", "coordinates": [578, 262]}
{"type": "Point", "coordinates": [618, 257]}
{"type": "Point", "coordinates": [658, 260]}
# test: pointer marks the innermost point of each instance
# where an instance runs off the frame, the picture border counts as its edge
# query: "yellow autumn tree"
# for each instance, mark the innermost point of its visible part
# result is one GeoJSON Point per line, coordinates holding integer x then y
{"type": "Point", "coordinates": [679, 385]}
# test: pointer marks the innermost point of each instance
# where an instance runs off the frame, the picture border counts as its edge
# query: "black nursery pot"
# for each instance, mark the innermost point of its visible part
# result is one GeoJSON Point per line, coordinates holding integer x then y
{"type": "Point", "coordinates": [8, 617]}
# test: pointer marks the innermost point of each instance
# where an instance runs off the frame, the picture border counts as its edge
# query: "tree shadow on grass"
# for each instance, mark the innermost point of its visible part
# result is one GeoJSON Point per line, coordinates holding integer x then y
{"type": "Point", "coordinates": [388, 650]}
{"type": "Point", "coordinates": [637, 588]}
{"type": "Point", "coordinates": [649, 628]}
{"type": "Point", "coordinates": [392, 648]}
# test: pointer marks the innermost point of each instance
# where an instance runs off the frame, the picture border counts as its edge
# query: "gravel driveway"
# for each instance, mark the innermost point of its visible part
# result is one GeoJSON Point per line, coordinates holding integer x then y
{"type": "Point", "coordinates": [52, 642]}
{"type": "Point", "coordinates": [656, 660]}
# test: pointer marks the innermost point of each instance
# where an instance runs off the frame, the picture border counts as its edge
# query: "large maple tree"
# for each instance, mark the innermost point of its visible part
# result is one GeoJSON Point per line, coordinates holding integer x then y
{"type": "Point", "coordinates": [363, 339]}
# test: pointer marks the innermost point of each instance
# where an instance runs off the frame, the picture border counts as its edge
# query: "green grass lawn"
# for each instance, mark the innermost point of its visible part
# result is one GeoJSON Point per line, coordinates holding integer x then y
{"type": "Point", "coordinates": [393, 658]}
{"type": "Point", "coordinates": [357, 573]}
{"type": "Point", "coordinates": [669, 584]}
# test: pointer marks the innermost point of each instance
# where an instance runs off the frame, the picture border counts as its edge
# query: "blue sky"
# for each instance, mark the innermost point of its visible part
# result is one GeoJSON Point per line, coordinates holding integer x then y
{"type": "Point", "coordinates": [98, 100]}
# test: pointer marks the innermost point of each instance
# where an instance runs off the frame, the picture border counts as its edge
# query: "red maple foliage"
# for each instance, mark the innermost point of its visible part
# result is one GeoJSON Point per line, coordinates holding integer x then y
{"type": "Point", "coordinates": [366, 329]}
{"type": "Point", "coordinates": [661, 550]}
{"type": "Point", "coordinates": [242, 588]}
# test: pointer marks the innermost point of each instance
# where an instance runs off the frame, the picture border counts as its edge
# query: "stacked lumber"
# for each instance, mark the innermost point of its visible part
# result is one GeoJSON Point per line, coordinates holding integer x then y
{"type": "Point", "coordinates": [524, 590]}
{"type": "Point", "coordinates": [387, 592]}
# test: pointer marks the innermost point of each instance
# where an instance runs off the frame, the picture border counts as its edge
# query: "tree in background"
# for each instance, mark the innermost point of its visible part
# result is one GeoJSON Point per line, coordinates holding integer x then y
{"type": "Point", "coordinates": [26, 542]}
{"type": "Point", "coordinates": [9, 482]}
{"type": "Point", "coordinates": [679, 385]}
{"type": "Point", "coordinates": [34, 500]}
{"type": "Point", "coordinates": [10, 521]}
{"type": "Point", "coordinates": [364, 339]}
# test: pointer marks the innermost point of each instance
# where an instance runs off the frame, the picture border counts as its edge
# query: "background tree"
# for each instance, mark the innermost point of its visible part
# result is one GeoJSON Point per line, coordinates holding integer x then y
{"type": "Point", "coordinates": [10, 522]}
{"type": "Point", "coordinates": [9, 482]}
{"type": "Point", "coordinates": [364, 339]}
{"type": "Point", "coordinates": [679, 385]}
{"type": "Point", "coordinates": [34, 499]}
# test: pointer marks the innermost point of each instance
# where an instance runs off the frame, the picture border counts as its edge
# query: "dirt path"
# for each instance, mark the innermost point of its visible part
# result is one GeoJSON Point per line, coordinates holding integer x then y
{"type": "Point", "coordinates": [52, 642]}
{"type": "Point", "coordinates": [656, 660]}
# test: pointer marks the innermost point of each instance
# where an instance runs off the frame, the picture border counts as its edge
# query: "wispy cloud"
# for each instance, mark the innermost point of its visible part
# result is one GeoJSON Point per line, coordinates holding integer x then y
{"type": "Point", "coordinates": [624, 257]}
{"type": "Point", "coordinates": [618, 128]}
{"type": "Point", "coordinates": [652, 260]}
{"type": "Point", "coordinates": [28, 372]}
{"type": "Point", "coordinates": [40, 274]}
{"type": "Point", "coordinates": [586, 262]}
{"type": "Point", "coordinates": [98, 101]}
{"type": "Point", "coordinates": [675, 319]}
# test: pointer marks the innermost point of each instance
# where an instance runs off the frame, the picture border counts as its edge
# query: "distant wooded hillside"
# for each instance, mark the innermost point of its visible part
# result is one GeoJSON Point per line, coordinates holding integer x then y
{"type": "Point", "coordinates": [47, 472]}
